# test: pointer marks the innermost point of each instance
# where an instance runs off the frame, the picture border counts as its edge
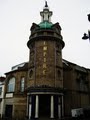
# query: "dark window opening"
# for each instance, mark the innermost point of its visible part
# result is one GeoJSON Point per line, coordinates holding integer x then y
{"type": "Point", "coordinates": [8, 111]}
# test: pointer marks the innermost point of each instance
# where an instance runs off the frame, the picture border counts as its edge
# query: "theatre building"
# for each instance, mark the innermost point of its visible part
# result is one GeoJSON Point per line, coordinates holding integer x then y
{"type": "Point", "coordinates": [47, 86]}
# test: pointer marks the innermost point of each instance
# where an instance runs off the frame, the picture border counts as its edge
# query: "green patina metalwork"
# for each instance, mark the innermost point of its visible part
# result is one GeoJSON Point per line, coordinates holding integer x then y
{"type": "Point", "coordinates": [45, 25]}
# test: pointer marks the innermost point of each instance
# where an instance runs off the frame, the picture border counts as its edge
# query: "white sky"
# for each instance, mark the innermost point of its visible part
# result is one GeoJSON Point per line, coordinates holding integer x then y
{"type": "Point", "coordinates": [17, 16]}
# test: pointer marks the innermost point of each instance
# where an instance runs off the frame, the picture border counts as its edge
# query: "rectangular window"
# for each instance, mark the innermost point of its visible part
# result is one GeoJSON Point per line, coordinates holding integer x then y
{"type": "Point", "coordinates": [22, 84]}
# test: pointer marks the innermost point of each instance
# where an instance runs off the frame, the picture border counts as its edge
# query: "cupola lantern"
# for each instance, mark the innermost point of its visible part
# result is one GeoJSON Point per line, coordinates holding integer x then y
{"type": "Point", "coordinates": [46, 14]}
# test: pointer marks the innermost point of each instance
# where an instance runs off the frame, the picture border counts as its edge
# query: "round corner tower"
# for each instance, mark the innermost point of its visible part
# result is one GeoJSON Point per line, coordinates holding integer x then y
{"type": "Point", "coordinates": [45, 70]}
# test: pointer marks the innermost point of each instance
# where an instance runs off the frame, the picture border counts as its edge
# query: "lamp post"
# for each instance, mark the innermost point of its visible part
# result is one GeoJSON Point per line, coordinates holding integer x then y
{"type": "Point", "coordinates": [87, 36]}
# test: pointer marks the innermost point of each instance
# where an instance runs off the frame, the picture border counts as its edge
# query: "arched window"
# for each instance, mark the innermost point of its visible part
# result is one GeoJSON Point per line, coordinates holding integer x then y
{"type": "Point", "coordinates": [11, 85]}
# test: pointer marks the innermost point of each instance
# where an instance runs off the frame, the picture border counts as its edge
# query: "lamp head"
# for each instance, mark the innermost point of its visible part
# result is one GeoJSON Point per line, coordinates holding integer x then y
{"type": "Point", "coordinates": [88, 17]}
{"type": "Point", "coordinates": [85, 36]}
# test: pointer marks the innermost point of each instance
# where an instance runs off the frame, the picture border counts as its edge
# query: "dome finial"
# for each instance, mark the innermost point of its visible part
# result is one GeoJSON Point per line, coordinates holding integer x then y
{"type": "Point", "coordinates": [46, 5]}
{"type": "Point", "coordinates": [46, 14]}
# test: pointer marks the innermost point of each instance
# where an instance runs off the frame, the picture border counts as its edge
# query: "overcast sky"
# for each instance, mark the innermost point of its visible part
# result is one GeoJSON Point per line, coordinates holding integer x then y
{"type": "Point", "coordinates": [17, 16]}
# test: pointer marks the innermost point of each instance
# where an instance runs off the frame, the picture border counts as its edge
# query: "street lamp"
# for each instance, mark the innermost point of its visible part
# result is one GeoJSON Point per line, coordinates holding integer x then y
{"type": "Point", "coordinates": [88, 17]}
{"type": "Point", "coordinates": [87, 36]}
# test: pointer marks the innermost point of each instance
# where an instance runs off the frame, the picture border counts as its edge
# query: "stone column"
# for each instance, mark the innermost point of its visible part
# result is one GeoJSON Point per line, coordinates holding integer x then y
{"type": "Point", "coordinates": [62, 106]}
{"type": "Point", "coordinates": [29, 111]}
{"type": "Point", "coordinates": [27, 106]}
{"type": "Point", "coordinates": [30, 107]}
{"type": "Point", "coordinates": [36, 106]}
{"type": "Point", "coordinates": [52, 107]}
{"type": "Point", "coordinates": [59, 107]}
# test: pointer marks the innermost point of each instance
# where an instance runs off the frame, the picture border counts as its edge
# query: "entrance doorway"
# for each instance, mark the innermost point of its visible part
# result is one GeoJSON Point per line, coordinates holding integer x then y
{"type": "Point", "coordinates": [44, 106]}
{"type": "Point", "coordinates": [8, 111]}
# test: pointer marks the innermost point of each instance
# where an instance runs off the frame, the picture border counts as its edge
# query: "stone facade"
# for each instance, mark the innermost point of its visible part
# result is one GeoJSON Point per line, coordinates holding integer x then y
{"type": "Point", "coordinates": [46, 68]}
{"type": "Point", "coordinates": [16, 101]}
{"type": "Point", "coordinates": [76, 82]}
{"type": "Point", "coordinates": [75, 95]}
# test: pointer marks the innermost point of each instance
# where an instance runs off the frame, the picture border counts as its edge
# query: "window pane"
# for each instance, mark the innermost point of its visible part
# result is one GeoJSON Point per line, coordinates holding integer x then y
{"type": "Point", "coordinates": [22, 84]}
{"type": "Point", "coordinates": [11, 85]}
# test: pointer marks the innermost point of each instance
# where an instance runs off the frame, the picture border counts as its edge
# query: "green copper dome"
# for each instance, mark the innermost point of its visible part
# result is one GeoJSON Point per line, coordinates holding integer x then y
{"type": "Point", "coordinates": [45, 25]}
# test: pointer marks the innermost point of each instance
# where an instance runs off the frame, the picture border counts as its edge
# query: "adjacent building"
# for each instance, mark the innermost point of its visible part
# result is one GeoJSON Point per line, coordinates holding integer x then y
{"type": "Point", "coordinates": [76, 80]}
{"type": "Point", "coordinates": [2, 85]}
{"type": "Point", "coordinates": [47, 86]}
{"type": "Point", "coordinates": [15, 104]}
